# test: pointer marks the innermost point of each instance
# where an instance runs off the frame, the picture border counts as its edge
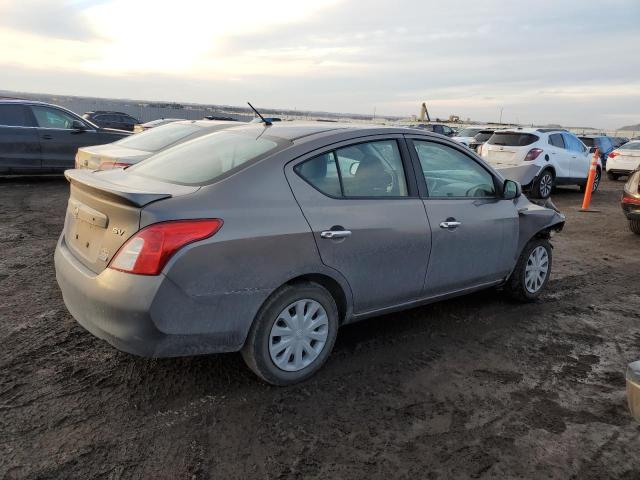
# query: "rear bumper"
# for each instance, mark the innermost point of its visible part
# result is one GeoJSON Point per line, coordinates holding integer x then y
{"type": "Point", "coordinates": [619, 171]}
{"type": "Point", "coordinates": [141, 315]}
{"type": "Point", "coordinates": [523, 174]}
{"type": "Point", "coordinates": [633, 389]}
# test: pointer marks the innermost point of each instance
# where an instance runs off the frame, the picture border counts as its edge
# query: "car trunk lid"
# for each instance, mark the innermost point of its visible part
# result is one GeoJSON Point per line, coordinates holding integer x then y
{"type": "Point", "coordinates": [104, 209]}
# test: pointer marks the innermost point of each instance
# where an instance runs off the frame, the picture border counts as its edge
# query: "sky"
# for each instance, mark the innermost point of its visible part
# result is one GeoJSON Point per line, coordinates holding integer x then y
{"type": "Point", "coordinates": [572, 62]}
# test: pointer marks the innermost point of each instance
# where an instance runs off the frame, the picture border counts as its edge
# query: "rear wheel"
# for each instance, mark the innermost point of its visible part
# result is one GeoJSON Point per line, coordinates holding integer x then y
{"type": "Point", "coordinates": [596, 182]}
{"type": "Point", "coordinates": [532, 271]}
{"type": "Point", "coordinates": [293, 334]}
{"type": "Point", "coordinates": [634, 226]}
{"type": "Point", "coordinates": [612, 176]}
{"type": "Point", "coordinates": [543, 185]}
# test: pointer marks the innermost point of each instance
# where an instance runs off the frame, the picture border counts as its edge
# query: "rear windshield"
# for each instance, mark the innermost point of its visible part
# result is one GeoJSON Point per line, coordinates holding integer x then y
{"type": "Point", "coordinates": [587, 141]}
{"type": "Point", "coordinates": [483, 136]}
{"type": "Point", "coordinates": [204, 159]}
{"type": "Point", "coordinates": [158, 138]}
{"type": "Point", "coordinates": [468, 132]}
{"type": "Point", "coordinates": [630, 146]}
{"type": "Point", "coordinates": [512, 139]}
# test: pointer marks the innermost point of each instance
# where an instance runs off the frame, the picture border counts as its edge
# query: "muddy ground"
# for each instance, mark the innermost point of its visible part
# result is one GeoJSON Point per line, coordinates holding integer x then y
{"type": "Point", "coordinates": [475, 387]}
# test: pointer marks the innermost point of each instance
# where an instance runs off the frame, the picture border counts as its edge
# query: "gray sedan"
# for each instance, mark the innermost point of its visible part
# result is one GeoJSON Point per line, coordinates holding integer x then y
{"type": "Point", "coordinates": [135, 148]}
{"type": "Point", "coordinates": [266, 239]}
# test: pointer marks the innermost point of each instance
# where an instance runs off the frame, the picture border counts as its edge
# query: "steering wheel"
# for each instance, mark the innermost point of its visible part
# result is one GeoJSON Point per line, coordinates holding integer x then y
{"type": "Point", "coordinates": [479, 190]}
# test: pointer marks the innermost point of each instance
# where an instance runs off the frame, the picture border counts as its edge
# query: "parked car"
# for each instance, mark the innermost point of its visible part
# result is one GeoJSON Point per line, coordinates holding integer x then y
{"type": "Point", "coordinates": [37, 137]}
{"type": "Point", "coordinates": [230, 119]}
{"type": "Point", "coordinates": [106, 119]}
{"type": "Point", "coordinates": [136, 148]}
{"type": "Point", "coordinates": [633, 389]}
{"type": "Point", "coordinates": [603, 143]}
{"type": "Point", "coordinates": [619, 141]}
{"type": "Point", "coordinates": [540, 159]}
{"type": "Point", "coordinates": [141, 127]}
{"type": "Point", "coordinates": [479, 139]}
{"type": "Point", "coordinates": [436, 128]}
{"type": "Point", "coordinates": [630, 201]}
{"type": "Point", "coordinates": [623, 160]}
{"type": "Point", "coordinates": [267, 239]}
{"type": "Point", "coordinates": [467, 135]}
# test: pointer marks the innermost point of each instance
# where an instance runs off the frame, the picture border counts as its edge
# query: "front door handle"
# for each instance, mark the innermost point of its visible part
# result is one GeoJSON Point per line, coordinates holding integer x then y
{"type": "Point", "coordinates": [46, 136]}
{"type": "Point", "coordinates": [450, 224]}
{"type": "Point", "coordinates": [335, 234]}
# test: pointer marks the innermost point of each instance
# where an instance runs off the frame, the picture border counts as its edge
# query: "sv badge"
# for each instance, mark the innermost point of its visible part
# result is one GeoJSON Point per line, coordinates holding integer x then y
{"type": "Point", "coordinates": [118, 231]}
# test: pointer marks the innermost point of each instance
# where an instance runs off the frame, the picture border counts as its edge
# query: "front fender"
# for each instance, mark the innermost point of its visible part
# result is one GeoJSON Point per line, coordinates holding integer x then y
{"type": "Point", "coordinates": [537, 219]}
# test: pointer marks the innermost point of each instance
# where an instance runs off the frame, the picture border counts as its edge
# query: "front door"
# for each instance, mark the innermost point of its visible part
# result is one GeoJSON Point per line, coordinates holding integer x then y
{"type": "Point", "coordinates": [59, 141]}
{"type": "Point", "coordinates": [474, 231]}
{"type": "Point", "coordinates": [367, 219]}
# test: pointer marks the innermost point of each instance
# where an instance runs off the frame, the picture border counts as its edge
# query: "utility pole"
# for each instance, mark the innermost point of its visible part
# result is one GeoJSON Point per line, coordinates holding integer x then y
{"type": "Point", "coordinates": [501, 108]}
{"type": "Point", "coordinates": [374, 113]}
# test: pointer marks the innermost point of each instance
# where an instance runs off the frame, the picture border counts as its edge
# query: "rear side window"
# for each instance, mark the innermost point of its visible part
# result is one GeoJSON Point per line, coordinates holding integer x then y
{"type": "Point", "coordinates": [512, 139]}
{"type": "Point", "coordinates": [14, 116]}
{"type": "Point", "coordinates": [205, 159]}
{"type": "Point", "coordinates": [631, 146]}
{"type": "Point", "coordinates": [556, 140]}
{"type": "Point", "coordinates": [371, 169]}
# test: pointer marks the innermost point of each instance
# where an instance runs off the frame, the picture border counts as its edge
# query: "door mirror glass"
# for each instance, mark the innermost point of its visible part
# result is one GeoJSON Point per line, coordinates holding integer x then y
{"type": "Point", "coordinates": [353, 169]}
{"type": "Point", "coordinates": [511, 190]}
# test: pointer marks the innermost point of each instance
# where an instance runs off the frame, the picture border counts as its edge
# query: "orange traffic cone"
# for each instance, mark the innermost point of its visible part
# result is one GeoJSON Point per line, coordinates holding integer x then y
{"type": "Point", "coordinates": [589, 187]}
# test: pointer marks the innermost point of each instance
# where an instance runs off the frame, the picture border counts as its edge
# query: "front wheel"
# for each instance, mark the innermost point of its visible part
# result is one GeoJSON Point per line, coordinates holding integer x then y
{"type": "Point", "coordinates": [596, 182]}
{"type": "Point", "coordinates": [532, 271]}
{"type": "Point", "coordinates": [612, 176]}
{"type": "Point", "coordinates": [543, 185]}
{"type": "Point", "coordinates": [634, 226]}
{"type": "Point", "coordinates": [293, 334]}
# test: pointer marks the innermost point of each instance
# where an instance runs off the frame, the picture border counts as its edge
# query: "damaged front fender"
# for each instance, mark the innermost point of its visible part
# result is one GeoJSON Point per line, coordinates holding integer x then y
{"type": "Point", "coordinates": [537, 219]}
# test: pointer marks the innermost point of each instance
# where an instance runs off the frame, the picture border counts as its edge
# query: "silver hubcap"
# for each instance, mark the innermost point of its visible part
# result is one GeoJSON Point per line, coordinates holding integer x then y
{"type": "Point", "coordinates": [536, 270]}
{"type": "Point", "coordinates": [298, 335]}
{"type": "Point", "coordinates": [596, 181]}
{"type": "Point", "coordinates": [546, 182]}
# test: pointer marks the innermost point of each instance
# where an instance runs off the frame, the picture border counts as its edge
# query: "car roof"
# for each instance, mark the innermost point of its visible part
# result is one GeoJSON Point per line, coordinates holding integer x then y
{"type": "Point", "coordinates": [303, 131]}
{"type": "Point", "coordinates": [592, 136]}
{"type": "Point", "coordinates": [27, 102]}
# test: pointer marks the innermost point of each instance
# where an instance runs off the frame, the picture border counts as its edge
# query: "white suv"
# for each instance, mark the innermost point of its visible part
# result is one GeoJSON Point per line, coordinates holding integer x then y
{"type": "Point", "coordinates": [540, 158]}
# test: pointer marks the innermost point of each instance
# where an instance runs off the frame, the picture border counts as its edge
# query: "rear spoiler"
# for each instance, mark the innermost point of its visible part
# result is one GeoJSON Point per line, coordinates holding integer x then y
{"type": "Point", "coordinates": [88, 180]}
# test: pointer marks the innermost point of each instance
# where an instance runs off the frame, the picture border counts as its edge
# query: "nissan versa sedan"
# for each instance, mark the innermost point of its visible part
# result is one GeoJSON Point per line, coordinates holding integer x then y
{"type": "Point", "coordinates": [137, 147]}
{"type": "Point", "coordinates": [266, 239]}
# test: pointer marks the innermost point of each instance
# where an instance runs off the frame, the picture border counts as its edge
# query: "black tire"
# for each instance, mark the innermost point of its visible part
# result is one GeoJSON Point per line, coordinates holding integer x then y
{"type": "Point", "coordinates": [634, 226]}
{"type": "Point", "coordinates": [256, 348]}
{"type": "Point", "coordinates": [516, 284]}
{"type": "Point", "coordinates": [543, 185]}
{"type": "Point", "coordinates": [596, 182]}
{"type": "Point", "coordinates": [612, 176]}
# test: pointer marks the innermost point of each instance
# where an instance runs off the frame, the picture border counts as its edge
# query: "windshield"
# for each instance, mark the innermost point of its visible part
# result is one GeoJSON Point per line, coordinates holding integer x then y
{"type": "Point", "coordinates": [512, 139]}
{"type": "Point", "coordinates": [158, 138]}
{"type": "Point", "coordinates": [468, 132]}
{"type": "Point", "coordinates": [204, 159]}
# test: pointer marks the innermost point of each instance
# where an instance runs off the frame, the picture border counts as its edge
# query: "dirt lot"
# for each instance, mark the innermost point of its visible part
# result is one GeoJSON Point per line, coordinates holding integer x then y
{"type": "Point", "coordinates": [474, 387]}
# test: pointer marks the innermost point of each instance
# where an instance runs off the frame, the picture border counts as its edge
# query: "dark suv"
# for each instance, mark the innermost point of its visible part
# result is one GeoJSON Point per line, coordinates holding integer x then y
{"type": "Point", "coordinates": [437, 128]}
{"type": "Point", "coordinates": [602, 142]}
{"type": "Point", "coordinates": [119, 120]}
{"type": "Point", "coordinates": [37, 137]}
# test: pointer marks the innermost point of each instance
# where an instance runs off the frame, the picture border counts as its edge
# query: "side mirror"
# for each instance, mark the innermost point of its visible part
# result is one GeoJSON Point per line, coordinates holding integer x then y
{"type": "Point", "coordinates": [78, 125]}
{"type": "Point", "coordinates": [354, 168]}
{"type": "Point", "coordinates": [511, 189]}
{"type": "Point", "coordinates": [592, 150]}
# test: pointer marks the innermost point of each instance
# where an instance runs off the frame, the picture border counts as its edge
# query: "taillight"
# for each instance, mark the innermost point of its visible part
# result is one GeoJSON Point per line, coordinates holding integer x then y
{"type": "Point", "coordinates": [614, 154]}
{"type": "Point", "coordinates": [631, 200]}
{"type": "Point", "coordinates": [110, 165]}
{"type": "Point", "coordinates": [533, 154]}
{"type": "Point", "coordinates": [149, 250]}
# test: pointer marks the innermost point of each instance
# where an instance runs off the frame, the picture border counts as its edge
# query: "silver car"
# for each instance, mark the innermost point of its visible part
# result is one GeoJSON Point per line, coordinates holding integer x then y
{"type": "Point", "coordinates": [266, 239]}
{"type": "Point", "coordinates": [135, 148]}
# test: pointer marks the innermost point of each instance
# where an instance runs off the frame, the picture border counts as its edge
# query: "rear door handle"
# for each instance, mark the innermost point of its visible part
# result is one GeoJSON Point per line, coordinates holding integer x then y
{"type": "Point", "coordinates": [450, 225]}
{"type": "Point", "coordinates": [335, 234]}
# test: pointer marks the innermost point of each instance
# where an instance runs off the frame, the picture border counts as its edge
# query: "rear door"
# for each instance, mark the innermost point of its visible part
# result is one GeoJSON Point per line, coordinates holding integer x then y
{"type": "Point", "coordinates": [19, 142]}
{"type": "Point", "coordinates": [474, 230]}
{"type": "Point", "coordinates": [59, 142]}
{"type": "Point", "coordinates": [361, 202]}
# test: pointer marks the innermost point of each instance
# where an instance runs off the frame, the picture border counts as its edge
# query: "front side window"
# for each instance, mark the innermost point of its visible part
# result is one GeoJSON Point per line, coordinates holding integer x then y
{"type": "Point", "coordinates": [14, 116]}
{"type": "Point", "coordinates": [556, 140]}
{"type": "Point", "coordinates": [53, 118]}
{"type": "Point", "coordinates": [573, 143]}
{"type": "Point", "coordinates": [452, 174]}
{"type": "Point", "coordinates": [371, 169]}
{"type": "Point", "coordinates": [205, 159]}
